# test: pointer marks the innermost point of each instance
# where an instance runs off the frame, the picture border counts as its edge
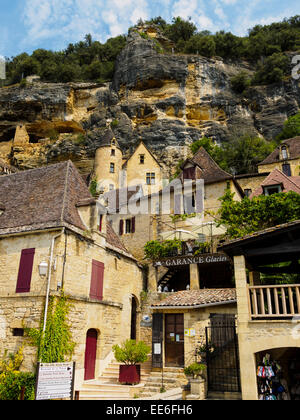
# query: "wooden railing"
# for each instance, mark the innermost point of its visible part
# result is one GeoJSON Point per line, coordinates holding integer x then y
{"type": "Point", "coordinates": [281, 301]}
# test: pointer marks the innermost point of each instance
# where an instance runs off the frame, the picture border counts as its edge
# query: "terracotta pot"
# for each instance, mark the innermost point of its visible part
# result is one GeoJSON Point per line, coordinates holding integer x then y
{"type": "Point", "coordinates": [130, 374]}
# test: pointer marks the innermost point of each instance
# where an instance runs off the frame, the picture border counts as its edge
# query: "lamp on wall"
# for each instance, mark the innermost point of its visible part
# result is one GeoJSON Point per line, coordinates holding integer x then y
{"type": "Point", "coordinates": [43, 268]}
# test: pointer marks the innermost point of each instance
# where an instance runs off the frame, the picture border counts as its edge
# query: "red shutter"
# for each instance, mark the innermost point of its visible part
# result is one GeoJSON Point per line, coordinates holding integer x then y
{"type": "Point", "coordinates": [96, 291]}
{"type": "Point", "coordinates": [133, 225]}
{"type": "Point", "coordinates": [121, 228]}
{"type": "Point", "coordinates": [25, 271]}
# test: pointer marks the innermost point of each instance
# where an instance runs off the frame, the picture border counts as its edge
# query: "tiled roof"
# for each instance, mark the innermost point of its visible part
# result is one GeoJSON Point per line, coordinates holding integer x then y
{"type": "Point", "coordinates": [43, 197]}
{"type": "Point", "coordinates": [210, 170]}
{"type": "Point", "coordinates": [233, 242]}
{"type": "Point", "coordinates": [294, 151]}
{"type": "Point", "coordinates": [113, 239]}
{"type": "Point", "coordinates": [190, 298]}
{"type": "Point", "coordinates": [289, 183]}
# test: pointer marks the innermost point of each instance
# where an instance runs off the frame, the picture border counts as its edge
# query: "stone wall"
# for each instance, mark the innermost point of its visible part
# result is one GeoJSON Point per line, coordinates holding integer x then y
{"type": "Point", "coordinates": [73, 255]}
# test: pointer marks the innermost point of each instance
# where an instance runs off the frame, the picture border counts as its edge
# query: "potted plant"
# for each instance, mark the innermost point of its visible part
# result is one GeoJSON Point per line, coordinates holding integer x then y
{"type": "Point", "coordinates": [131, 354]}
{"type": "Point", "coordinates": [203, 349]}
{"type": "Point", "coordinates": [194, 370]}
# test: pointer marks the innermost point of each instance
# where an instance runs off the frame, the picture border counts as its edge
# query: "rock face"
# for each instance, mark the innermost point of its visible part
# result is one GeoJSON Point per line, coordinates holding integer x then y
{"type": "Point", "coordinates": [167, 100]}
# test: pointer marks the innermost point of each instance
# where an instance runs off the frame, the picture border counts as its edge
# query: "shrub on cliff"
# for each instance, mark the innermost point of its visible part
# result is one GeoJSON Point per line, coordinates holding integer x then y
{"type": "Point", "coordinates": [272, 70]}
{"type": "Point", "coordinates": [200, 44]}
{"type": "Point", "coordinates": [291, 128]}
{"type": "Point", "coordinates": [240, 82]}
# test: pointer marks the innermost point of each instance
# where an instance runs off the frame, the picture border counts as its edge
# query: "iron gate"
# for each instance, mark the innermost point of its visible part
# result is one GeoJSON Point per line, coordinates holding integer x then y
{"type": "Point", "coordinates": [223, 370]}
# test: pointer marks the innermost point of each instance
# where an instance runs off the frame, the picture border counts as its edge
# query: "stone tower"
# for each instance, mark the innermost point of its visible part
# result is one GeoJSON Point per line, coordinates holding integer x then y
{"type": "Point", "coordinates": [21, 135]}
{"type": "Point", "coordinates": [108, 163]}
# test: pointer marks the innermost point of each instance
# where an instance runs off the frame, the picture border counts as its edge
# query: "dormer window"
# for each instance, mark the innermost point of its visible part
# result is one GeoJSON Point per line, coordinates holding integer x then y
{"type": "Point", "coordinates": [272, 189]}
{"type": "Point", "coordinates": [284, 152]}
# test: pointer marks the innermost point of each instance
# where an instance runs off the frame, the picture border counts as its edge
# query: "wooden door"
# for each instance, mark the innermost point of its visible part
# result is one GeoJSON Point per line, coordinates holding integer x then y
{"type": "Point", "coordinates": [174, 340]}
{"type": "Point", "coordinates": [157, 340]}
{"type": "Point", "coordinates": [133, 319]}
{"type": "Point", "coordinates": [90, 355]}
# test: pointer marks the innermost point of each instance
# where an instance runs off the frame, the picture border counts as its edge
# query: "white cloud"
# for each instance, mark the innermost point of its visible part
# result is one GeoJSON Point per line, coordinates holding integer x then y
{"type": "Point", "coordinates": [70, 20]}
{"type": "Point", "coordinates": [57, 22]}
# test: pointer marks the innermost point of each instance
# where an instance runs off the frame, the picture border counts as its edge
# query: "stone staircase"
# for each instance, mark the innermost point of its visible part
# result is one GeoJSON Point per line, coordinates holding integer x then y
{"type": "Point", "coordinates": [171, 379]}
{"type": "Point", "coordinates": [107, 386]}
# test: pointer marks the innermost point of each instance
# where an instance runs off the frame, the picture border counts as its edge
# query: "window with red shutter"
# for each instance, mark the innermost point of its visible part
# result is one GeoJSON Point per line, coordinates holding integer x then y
{"type": "Point", "coordinates": [96, 291]}
{"type": "Point", "coordinates": [25, 271]}
{"type": "Point", "coordinates": [121, 227]}
{"type": "Point", "coordinates": [133, 225]}
{"type": "Point", "coordinates": [101, 223]}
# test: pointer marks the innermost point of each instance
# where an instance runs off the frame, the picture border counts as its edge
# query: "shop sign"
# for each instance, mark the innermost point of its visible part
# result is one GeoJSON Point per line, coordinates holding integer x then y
{"type": "Point", "coordinates": [199, 259]}
{"type": "Point", "coordinates": [55, 381]}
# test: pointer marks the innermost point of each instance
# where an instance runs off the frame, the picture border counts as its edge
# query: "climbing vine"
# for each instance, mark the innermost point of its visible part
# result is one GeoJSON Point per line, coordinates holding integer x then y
{"type": "Point", "coordinates": [55, 344]}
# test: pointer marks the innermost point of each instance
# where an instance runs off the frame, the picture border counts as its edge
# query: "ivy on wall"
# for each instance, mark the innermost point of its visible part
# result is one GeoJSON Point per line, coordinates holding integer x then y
{"type": "Point", "coordinates": [55, 344]}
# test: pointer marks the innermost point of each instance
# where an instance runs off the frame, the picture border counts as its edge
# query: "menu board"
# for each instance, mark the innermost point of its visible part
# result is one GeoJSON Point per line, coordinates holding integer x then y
{"type": "Point", "coordinates": [55, 381]}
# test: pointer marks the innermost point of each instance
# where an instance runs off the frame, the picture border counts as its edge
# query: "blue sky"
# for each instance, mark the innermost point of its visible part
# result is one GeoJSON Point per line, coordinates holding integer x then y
{"type": "Point", "coordinates": [26, 25]}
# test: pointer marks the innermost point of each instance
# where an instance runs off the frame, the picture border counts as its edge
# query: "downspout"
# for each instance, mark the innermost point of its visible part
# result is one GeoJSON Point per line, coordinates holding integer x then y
{"type": "Point", "coordinates": [49, 279]}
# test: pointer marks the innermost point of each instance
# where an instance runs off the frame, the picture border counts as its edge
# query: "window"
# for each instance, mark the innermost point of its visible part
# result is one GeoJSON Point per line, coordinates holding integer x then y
{"type": "Point", "coordinates": [189, 173]}
{"type": "Point", "coordinates": [286, 169]}
{"type": "Point", "coordinates": [150, 178]}
{"type": "Point", "coordinates": [121, 227]}
{"type": "Point", "coordinates": [113, 152]}
{"type": "Point", "coordinates": [96, 290]}
{"type": "Point", "coordinates": [272, 189]}
{"type": "Point", "coordinates": [130, 225]}
{"type": "Point", "coordinates": [101, 223]}
{"type": "Point", "coordinates": [112, 168]}
{"type": "Point", "coordinates": [189, 204]}
{"type": "Point", "coordinates": [284, 152]}
{"type": "Point", "coordinates": [111, 187]}
{"type": "Point", "coordinates": [142, 159]}
{"type": "Point", "coordinates": [247, 192]}
{"type": "Point", "coordinates": [25, 271]}
{"type": "Point", "coordinates": [18, 332]}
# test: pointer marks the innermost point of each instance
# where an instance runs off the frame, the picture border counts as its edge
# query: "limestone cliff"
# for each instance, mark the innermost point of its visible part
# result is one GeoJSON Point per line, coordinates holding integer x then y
{"type": "Point", "coordinates": [166, 99]}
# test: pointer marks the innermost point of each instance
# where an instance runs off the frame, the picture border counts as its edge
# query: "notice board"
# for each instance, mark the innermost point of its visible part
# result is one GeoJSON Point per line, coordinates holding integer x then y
{"type": "Point", "coordinates": [55, 381]}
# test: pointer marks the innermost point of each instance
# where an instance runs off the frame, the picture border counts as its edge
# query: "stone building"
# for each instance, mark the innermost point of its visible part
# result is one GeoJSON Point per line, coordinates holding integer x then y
{"type": "Point", "coordinates": [266, 268]}
{"type": "Point", "coordinates": [48, 219]}
{"type": "Point", "coordinates": [286, 158]}
{"type": "Point", "coordinates": [112, 171]}
{"type": "Point", "coordinates": [184, 317]}
{"type": "Point", "coordinates": [142, 168]}
{"type": "Point", "coordinates": [277, 182]}
{"type": "Point", "coordinates": [154, 217]}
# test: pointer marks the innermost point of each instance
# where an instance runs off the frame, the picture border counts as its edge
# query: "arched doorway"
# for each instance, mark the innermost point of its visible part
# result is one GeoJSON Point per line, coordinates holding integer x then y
{"type": "Point", "coordinates": [90, 354]}
{"type": "Point", "coordinates": [134, 306]}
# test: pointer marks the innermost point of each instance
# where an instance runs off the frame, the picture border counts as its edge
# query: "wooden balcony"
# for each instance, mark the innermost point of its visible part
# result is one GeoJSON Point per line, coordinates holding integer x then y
{"type": "Point", "coordinates": [274, 302]}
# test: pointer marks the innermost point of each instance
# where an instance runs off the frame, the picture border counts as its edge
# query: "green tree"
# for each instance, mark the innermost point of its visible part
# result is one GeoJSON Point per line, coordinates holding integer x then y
{"type": "Point", "coordinates": [248, 216]}
{"type": "Point", "coordinates": [272, 70]}
{"type": "Point", "coordinates": [240, 82]}
{"type": "Point", "coordinates": [291, 128]}
{"type": "Point", "coordinates": [241, 154]}
{"type": "Point", "coordinates": [204, 45]}
{"type": "Point", "coordinates": [180, 29]}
